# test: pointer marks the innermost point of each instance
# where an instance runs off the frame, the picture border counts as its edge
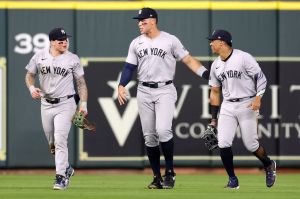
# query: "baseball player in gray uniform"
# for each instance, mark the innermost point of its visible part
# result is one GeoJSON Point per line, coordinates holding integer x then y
{"type": "Point", "coordinates": [154, 54]}
{"type": "Point", "coordinates": [56, 68]}
{"type": "Point", "coordinates": [240, 79]}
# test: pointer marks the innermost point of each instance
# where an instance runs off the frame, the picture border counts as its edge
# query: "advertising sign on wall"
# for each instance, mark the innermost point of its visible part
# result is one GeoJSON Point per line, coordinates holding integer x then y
{"type": "Point", "coordinates": [119, 135]}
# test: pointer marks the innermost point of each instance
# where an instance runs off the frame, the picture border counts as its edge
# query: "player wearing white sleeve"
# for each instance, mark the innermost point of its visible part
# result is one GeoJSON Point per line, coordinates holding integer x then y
{"type": "Point", "coordinates": [154, 54]}
{"type": "Point", "coordinates": [240, 79]}
{"type": "Point", "coordinates": [57, 68]}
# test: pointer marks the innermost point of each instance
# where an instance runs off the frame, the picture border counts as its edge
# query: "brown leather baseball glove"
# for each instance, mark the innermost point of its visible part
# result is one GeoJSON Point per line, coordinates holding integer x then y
{"type": "Point", "coordinates": [82, 122]}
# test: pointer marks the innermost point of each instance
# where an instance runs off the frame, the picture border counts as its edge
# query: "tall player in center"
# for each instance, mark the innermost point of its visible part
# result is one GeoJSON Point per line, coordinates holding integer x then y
{"type": "Point", "coordinates": [154, 54]}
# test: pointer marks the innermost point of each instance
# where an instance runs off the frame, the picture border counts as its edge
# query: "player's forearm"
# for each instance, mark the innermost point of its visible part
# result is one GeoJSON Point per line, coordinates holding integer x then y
{"type": "Point", "coordinates": [196, 66]}
{"type": "Point", "coordinates": [82, 89]}
{"type": "Point", "coordinates": [215, 99]}
{"type": "Point", "coordinates": [127, 73]}
{"type": "Point", "coordinates": [29, 79]}
{"type": "Point", "coordinates": [191, 63]}
{"type": "Point", "coordinates": [215, 102]}
{"type": "Point", "coordinates": [261, 83]}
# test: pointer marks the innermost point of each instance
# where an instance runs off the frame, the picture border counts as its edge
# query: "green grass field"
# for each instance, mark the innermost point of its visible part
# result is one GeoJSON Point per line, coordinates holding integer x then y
{"type": "Point", "coordinates": [132, 186]}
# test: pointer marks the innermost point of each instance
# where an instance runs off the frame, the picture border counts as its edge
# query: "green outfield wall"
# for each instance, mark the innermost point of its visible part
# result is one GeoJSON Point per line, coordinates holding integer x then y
{"type": "Point", "coordinates": [102, 32]}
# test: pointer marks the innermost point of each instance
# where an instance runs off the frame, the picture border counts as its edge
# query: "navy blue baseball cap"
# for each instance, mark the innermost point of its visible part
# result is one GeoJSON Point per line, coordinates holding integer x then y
{"type": "Point", "coordinates": [222, 35]}
{"type": "Point", "coordinates": [146, 13]}
{"type": "Point", "coordinates": [58, 34]}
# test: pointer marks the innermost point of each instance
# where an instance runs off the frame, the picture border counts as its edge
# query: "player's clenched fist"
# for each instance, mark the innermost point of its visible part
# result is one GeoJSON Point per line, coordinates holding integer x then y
{"type": "Point", "coordinates": [255, 104]}
{"type": "Point", "coordinates": [35, 92]}
{"type": "Point", "coordinates": [122, 93]}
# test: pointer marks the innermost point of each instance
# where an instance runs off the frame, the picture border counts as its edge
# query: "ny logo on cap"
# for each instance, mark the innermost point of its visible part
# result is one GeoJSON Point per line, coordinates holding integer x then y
{"type": "Point", "coordinates": [62, 32]}
{"type": "Point", "coordinates": [140, 12]}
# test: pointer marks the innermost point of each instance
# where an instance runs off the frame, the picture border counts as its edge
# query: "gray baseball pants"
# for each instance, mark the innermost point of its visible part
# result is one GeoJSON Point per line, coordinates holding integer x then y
{"type": "Point", "coordinates": [156, 109]}
{"type": "Point", "coordinates": [232, 115]}
{"type": "Point", "coordinates": [57, 121]}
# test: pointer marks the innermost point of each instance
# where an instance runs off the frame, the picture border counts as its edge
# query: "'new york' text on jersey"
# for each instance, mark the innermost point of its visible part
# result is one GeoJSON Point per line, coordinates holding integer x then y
{"type": "Point", "coordinates": [156, 58]}
{"type": "Point", "coordinates": [240, 76]}
{"type": "Point", "coordinates": [55, 73]}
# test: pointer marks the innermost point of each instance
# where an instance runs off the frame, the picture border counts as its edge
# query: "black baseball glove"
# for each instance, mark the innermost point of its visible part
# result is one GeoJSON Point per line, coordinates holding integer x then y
{"type": "Point", "coordinates": [82, 122]}
{"type": "Point", "coordinates": [210, 137]}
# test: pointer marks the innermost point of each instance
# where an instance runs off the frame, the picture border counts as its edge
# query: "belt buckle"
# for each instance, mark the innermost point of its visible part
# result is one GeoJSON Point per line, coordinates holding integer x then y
{"type": "Point", "coordinates": [52, 100]}
{"type": "Point", "coordinates": [234, 100]}
{"type": "Point", "coordinates": [150, 84]}
{"type": "Point", "coordinates": [153, 85]}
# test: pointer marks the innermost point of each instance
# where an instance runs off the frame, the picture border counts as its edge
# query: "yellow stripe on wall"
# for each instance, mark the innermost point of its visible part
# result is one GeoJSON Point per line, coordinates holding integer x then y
{"type": "Point", "coordinates": [113, 5]}
{"type": "Point", "coordinates": [41, 5]}
{"type": "Point", "coordinates": [178, 5]}
{"type": "Point", "coordinates": [2, 4]}
{"type": "Point", "coordinates": [289, 5]}
{"type": "Point", "coordinates": [244, 5]}
{"type": "Point", "coordinates": [163, 5]}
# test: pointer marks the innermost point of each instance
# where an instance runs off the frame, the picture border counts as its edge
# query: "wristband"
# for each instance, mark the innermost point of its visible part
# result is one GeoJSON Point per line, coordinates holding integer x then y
{"type": "Point", "coordinates": [214, 111]}
{"type": "Point", "coordinates": [83, 106]}
{"type": "Point", "coordinates": [201, 70]}
{"type": "Point", "coordinates": [261, 93]}
{"type": "Point", "coordinates": [31, 88]}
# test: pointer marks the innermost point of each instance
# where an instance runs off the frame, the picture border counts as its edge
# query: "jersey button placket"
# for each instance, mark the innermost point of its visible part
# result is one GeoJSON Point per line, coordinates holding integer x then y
{"type": "Point", "coordinates": [53, 75]}
{"type": "Point", "coordinates": [148, 77]}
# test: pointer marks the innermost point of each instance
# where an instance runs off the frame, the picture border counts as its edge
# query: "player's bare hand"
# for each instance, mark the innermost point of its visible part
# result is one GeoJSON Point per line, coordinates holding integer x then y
{"type": "Point", "coordinates": [83, 108]}
{"type": "Point", "coordinates": [84, 112]}
{"type": "Point", "coordinates": [122, 93]}
{"type": "Point", "coordinates": [255, 104]}
{"type": "Point", "coordinates": [213, 122]}
{"type": "Point", "coordinates": [35, 93]}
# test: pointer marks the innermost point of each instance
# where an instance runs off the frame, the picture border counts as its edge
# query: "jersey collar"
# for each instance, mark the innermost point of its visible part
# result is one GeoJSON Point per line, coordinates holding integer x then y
{"type": "Point", "coordinates": [228, 56]}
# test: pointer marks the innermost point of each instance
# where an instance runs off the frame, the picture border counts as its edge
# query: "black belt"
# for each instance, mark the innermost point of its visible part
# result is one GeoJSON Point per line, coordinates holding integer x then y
{"type": "Point", "coordinates": [156, 85]}
{"type": "Point", "coordinates": [57, 100]}
{"type": "Point", "coordinates": [240, 99]}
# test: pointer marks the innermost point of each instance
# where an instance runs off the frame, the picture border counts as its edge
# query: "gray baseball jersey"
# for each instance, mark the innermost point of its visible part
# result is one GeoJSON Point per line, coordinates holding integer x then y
{"type": "Point", "coordinates": [241, 79]}
{"type": "Point", "coordinates": [237, 76]}
{"type": "Point", "coordinates": [156, 58]}
{"type": "Point", "coordinates": [55, 73]}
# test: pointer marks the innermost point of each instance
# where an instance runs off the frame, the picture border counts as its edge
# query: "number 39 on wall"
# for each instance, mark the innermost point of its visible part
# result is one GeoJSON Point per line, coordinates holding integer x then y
{"type": "Point", "coordinates": [27, 44]}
